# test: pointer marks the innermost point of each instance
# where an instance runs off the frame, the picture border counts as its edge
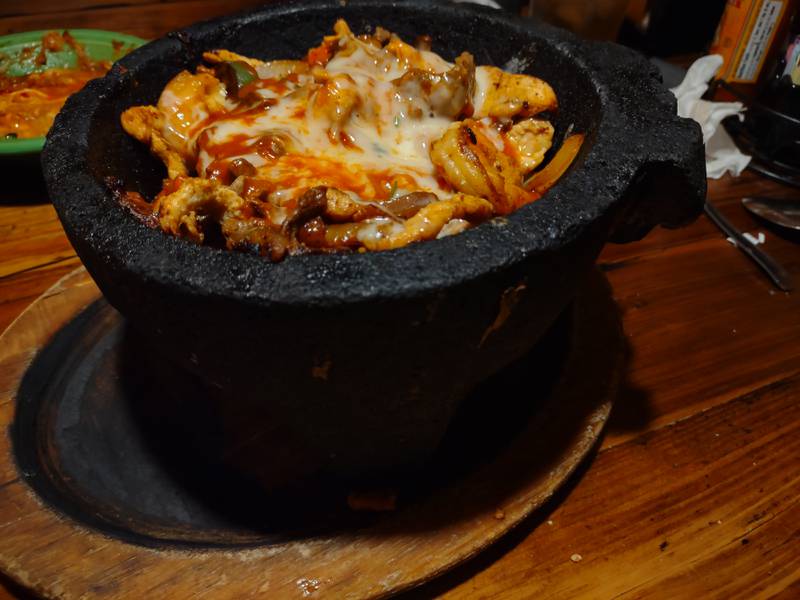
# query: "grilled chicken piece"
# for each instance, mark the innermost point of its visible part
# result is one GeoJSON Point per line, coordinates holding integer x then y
{"type": "Point", "coordinates": [186, 102]}
{"type": "Point", "coordinates": [336, 100]}
{"type": "Point", "coordinates": [146, 124]}
{"type": "Point", "coordinates": [506, 95]}
{"type": "Point", "coordinates": [181, 212]}
{"type": "Point", "coordinates": [197, 207]}
{"type": "Point", "coordinates": [531, 139]}
{"type": "Point", "coordinates": [446, 94]}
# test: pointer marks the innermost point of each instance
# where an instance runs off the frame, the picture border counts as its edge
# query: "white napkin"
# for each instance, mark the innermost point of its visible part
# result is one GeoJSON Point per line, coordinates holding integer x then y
{"type": "Point", "coordinates": [722, 155]}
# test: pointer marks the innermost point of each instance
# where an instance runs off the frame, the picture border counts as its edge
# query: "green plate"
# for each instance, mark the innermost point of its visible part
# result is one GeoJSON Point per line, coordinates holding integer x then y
{"type": "Point", "coordinates": [100, 45]}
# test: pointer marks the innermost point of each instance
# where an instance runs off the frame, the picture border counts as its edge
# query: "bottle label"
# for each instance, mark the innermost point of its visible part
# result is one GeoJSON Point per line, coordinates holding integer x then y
{"type": "Point", "coordinates": [759, 40]}
{"type": "Point", "coordinates": [792, 68]}
{"type": "Point", "coordinates": [745, 33]}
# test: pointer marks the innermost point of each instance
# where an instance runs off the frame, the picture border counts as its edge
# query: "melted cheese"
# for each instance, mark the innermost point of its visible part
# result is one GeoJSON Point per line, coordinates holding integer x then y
{"type": "Point", "coordinates": [353, 156]}
{"type": "Point", "coordinates": [368, 116]}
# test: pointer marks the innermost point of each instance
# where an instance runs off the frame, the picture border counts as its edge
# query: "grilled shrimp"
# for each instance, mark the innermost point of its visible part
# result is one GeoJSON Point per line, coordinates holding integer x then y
{"type": "Point", "coordinates": [472, 164]}
{"type": "Point", "coordinates": [506, 95]}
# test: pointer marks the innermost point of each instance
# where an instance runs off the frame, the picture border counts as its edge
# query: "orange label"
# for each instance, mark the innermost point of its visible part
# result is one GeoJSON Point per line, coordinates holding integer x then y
{"type": "Point", "coordinates": [745, 33]}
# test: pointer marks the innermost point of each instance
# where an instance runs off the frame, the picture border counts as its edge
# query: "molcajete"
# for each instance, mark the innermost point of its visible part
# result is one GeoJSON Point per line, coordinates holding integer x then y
{"type": "Point", "coordinates": [353, 364]}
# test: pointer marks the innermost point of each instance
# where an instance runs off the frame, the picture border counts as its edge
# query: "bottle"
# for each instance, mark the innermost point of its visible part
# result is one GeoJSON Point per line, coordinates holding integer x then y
{"type": "Point", "coordinates": [781, 91]}
{"type": "Point", "coordinates": [746, 38]}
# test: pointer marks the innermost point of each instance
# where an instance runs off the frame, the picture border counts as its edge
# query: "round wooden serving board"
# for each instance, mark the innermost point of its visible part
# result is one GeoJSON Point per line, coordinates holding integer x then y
{"type": "Point", "coordinates": [68, 533]}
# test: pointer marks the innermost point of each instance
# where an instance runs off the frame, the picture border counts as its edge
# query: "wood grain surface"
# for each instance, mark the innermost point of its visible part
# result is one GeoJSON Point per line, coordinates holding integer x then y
{"type": "Point", "coordinates": [145, 18]}
{"type": "Point", "coordinates": [694, 492]}
{"type": "Point", "coordinates": [441, 527]}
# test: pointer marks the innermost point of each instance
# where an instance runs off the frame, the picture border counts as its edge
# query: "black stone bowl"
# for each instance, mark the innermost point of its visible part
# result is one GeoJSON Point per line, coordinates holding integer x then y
{"type": "Point", "coordinates": [353, 364]}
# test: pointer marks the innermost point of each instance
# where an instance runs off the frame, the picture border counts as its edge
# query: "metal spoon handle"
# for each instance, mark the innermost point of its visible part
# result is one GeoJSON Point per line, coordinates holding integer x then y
{"type": "Point", "coordinates": [774, 270]}
{"type": "Point", "coordinates": [783, 212]}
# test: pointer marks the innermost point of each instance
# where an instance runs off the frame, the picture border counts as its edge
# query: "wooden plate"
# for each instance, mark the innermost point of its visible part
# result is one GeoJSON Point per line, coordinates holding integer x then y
{"type": "Point", "coordinates": [88, 509]}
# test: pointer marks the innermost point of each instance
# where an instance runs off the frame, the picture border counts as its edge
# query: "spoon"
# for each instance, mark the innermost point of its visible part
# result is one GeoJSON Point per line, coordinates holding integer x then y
{"type": "Point", "coordinates": [775, 210]}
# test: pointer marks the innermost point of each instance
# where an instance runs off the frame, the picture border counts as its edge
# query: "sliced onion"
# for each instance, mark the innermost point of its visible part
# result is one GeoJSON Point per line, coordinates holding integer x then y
{"type": "Point", "coordinates": [543, 180]}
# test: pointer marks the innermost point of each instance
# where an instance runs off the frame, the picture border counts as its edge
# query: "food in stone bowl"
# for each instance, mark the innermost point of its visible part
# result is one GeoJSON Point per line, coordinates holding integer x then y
{"type": "Point", "coordinates": [349, 363]}
{"type": "Point", "coordinates": [368, 143]}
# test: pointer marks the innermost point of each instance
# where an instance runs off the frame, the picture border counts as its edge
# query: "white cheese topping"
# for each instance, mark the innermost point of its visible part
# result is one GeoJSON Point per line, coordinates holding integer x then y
{"type": "Point", "coordinates": [380, 142]}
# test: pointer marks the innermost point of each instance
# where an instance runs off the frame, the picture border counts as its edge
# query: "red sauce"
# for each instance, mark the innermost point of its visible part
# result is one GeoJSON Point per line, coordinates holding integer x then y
{"type": "Point", "coordinates": [509, 149]}
{"type": "Point", "coordinates": [172, 186]}
{"type": "Point", "coordinates": [321, 54]}
{"type": "Point", "coordinates": [219, 170]}
{"type": "Point", "coordinates": [237, 145]}
{"type": "Point", "coordinates": [133, 201]}
{"type": "Point", "coordinates": [252, 112]}
{"type": "Point", "coordinates": [275, 85]}
{"type": "Point", "coordinates": [254, 188]}
{"type": "Point", "coordinates": [443, 184]}
{"type": "Point", "coordinates": [348, 141]}
{"type": "Point", "coordinates": [291, 204]}
{"type": "Point", "coordinates": [297, 170]}
{"type": "Point", "coordinates": [270, 146]}
{"type": "Point", "coordinates": [247, 113]}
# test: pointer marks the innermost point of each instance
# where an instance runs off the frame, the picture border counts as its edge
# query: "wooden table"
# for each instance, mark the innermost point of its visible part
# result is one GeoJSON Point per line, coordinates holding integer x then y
{"type": "Point", "coordinates": [695, 489]}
